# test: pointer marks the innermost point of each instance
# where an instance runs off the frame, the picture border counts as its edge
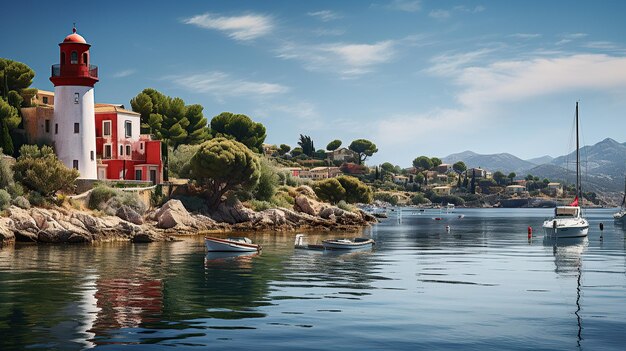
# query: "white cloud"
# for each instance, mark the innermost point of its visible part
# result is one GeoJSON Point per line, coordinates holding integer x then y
{"type": "Point", "coordinates": [246, 27]}
{"type": "Point", "coordinates": [475, 9]}
{"type": "Point", "coordinates": [405, 5]}
{"type": "Point", "coordinates": [526, 35]}
{"type": "Point", "coordinates": [452, 64]}
{"type": "Point", "coordinates": [322, 32]}
{"type": "Point", "coordinates": [124, 73]}
{"type": "Point", "coordinates": [325, 15]}
{"type": "Point", "coordinates": [222, 85]}
{"type": "Point", "coordinates": [602, 45]}
{"type": "Point", "coordinates": [439, 14]}
{"type": "Point", "coordinates": [345, 58]}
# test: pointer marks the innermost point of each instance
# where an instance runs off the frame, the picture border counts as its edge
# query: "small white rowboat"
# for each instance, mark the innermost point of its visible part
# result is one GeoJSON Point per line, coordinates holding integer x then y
{"type": "Point", "coordinates": [230, 244]}
{"type": "Point", "coordinates": [347, 244]}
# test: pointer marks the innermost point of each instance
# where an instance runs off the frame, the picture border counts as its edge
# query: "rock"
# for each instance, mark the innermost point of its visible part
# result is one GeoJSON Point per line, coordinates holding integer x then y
{"type": "Point", "coordinates": [146, 237]}
{"type": "Point", "coordinates": [306, 191]}
{"type": "Point", "coordinates": [6, 234]}
{"type": "Point", "coordinates": [22, 219]}
{"type": "Point", "coordinates": [89, 222]}
{"type": "Point", "coordinates": [128, 214]}
{"type": "Point", "coordinates": [79, 238]}
{"type": "Point", "coordinates": [236, 213]}
{"type": "Point", "coordinates": [308, 205]}
{"type": "Point", "coordinates": [173, 214]}
{"type": "Point", "coordinates": [368, 217]}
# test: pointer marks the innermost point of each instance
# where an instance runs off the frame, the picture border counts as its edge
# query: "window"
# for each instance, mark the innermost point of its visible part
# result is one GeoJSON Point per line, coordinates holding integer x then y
{"type": "Point", "coordinates": [75, 164]}
{"type": "Point", "coordinates": [121, 150]}
{"type": "Point", "coordinates": [47, 126]}
{"type": "Point", "coordinates": [92, 155]}
{"type": "Point", "coordinates": [74, 58]}
{"type": "Point", "coordinates": [106, 128]}
{"type": "Point", "coordinates": [127, 150]}
{"type": "Point", "coordinates": [107, 151]}
{"type": "Point", "coordinates": [76, 97]}
{"type": "Point", "coordinates": [56, 128]}
{"type": "Point", "coordinates": [138, 175]}
{"type": "Point", "coordinates": [76, 128]}
{"type": "Point", "coordinates": [85, 59]}
{"type": "Point", "coordinates": [45, 100]}
{"type": "Point", "coordinates": [62, 58]}
{"type": "Point", "coordinates": [128, 129]}
{"type": "Point", "coordinates": [141, 145]}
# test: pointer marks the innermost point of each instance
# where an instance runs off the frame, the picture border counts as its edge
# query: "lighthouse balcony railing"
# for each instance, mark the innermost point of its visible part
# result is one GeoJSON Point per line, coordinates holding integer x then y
{"type": "Point", "coordinates": [80, 70]}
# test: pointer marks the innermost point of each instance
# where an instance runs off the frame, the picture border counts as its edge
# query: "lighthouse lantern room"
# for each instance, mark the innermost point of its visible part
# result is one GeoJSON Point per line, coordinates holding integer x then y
{"type": "Point", "coordinates": [74, 131]}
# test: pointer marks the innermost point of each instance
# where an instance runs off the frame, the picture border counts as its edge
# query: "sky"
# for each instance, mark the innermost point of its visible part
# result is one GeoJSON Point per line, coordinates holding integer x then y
{"type": "Point", "coordinates": [416, 77]}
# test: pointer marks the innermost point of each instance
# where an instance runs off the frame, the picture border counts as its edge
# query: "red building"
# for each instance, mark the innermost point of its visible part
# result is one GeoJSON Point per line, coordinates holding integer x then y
{"type": "Point", "coordinates": [122, 152]}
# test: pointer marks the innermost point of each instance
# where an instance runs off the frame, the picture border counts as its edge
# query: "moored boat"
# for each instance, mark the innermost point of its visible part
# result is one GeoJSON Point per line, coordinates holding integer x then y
{"type": "Point", "coordinates": [236, 244]}
{"type": "Point", "coordinates": [568, 221]}
{"type": "Point", "coordinates": [347, 244]}
{"type": "Point", "coordinates": [621, 214]}
{"type": "Point", "coordinates": [302, 243]}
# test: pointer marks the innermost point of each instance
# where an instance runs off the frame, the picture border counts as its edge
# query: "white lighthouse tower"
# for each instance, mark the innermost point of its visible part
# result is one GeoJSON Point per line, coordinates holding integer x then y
{"type": "Point", "coordinates": [74, 131]}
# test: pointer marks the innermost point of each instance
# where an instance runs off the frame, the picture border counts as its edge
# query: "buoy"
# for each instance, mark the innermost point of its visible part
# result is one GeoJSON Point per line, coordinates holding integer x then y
{"type": "Point", "coordinates": [530, 232]}
{"type": "Point", "coordinates": [601, 230]}
{"type": "Point", "coordinates": [447, 228]}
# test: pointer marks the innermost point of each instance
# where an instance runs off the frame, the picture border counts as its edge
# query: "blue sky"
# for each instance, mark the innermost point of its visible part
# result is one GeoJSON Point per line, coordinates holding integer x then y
{"type": "Point", "coordinates": [416, 77]}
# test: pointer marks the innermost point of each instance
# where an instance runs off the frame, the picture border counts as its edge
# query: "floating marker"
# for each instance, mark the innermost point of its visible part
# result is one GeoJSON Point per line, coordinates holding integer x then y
{"type": "Point", "coordinates": [530, 232]}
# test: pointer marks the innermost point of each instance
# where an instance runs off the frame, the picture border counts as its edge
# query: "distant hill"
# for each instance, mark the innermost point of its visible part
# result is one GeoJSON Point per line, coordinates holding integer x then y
{"type": "Point", "coordinates": [541, 160]}
{"type": "Point", "coordinates": [495, 162]}
{"type": "Point", "coordinates": [603, 165]}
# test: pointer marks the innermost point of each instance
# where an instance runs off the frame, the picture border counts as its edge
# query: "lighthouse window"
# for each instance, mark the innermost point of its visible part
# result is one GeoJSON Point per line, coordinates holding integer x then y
{"type": "Point", "coordinates": [75, 164]}
{"type": "Point", "coordinates": [85, 58]}
{"type": "Point", "coordinates": [76, 97]}
{"type": "Point", "coordinates": [128, 128]}
{"type": "Point", "coordinates": [92, 155]}
{"type": "Point", "coordinates": [74, 57]}
{"type": "Point", "coordinates": [62, 58]}
{"type": "Point", "coordinates": [76, 128]}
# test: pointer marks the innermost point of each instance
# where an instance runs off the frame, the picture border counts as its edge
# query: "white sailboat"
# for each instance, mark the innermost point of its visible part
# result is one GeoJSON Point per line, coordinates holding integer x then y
{"type": "Point", "coordinates": [568, 221]}
{"type": "Point", "coordinates": [621, 214]}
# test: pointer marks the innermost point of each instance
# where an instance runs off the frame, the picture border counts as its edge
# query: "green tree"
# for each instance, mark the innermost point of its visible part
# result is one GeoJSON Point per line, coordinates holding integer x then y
{"type": "Point", "coordinates": [356, 190]}
{"type": "Point", "coordinates": [419, 178]}
{"type": "Point", "coordinates": [18, 77]}
{"type": "Point", "coordinates": [283, 149]}
{"type": "Point", "coordinates": [329, 190]}
{"type": "Point", "coordinates": [499, 177]}
{"type": "Point", "coordinates": [297, 151]}
{"type": "Point", "coordinates": [41, 171]}
{"type": "Point", "coordinates": [459, 167]}
{"type": "Point", "coordinates": [197, 130]}
{"type": "Point", "coordinates": [435, 161]}
{"type": "Point", "coordinates": [333, 145]}
{"type": "Point", "coordinates": [180, 160]}
{"type": "Point", "coordinates": [512, 176]}
{"type": "Point", "coordinates": [268, 182]}
{"type": "Point", "coordinates": [241, 128]}
{"type": "Point", "coordinates": [306, 143]}
{"type": "Point", "coordinates": [364, 149]}
{"type": "Point", "coordinates": [388, 167]}
{"type": "Point", "coordinates": [6, 142]}
{"type": "Point", "coordinates": [422, 163]}
{"type": "Point", "coordinates": [142, 104]}
{"type": "Point", "coordinates": [221, 165]}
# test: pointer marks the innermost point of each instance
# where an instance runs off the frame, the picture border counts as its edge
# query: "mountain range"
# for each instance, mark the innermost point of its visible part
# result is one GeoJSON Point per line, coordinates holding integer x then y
{"type": "Point", "coordinates": [603, 165]}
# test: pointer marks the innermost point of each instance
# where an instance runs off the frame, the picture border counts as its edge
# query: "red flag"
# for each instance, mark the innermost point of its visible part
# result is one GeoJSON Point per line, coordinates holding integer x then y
{"type": "Point", "coordinates": [575, 202]}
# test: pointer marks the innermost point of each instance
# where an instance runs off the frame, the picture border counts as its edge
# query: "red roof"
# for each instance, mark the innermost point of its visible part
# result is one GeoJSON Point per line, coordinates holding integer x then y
{"type": "Point", "coordinates": [74, 38]}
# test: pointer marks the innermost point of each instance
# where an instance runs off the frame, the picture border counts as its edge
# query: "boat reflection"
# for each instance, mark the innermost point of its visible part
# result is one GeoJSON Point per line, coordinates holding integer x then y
{"type": "Point", "coordinates": [568, 253]}
{"type": "Point", "coordinates": [217, 257]}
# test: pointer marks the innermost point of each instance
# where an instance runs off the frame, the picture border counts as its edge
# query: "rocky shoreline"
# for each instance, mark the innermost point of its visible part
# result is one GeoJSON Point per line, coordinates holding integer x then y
{"type": "Point", "coordinates": [65, 225]}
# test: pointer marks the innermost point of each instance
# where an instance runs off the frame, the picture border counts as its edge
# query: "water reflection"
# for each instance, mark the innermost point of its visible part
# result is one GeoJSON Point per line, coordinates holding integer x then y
{"type": "Point", "coordinates": [568, 253]}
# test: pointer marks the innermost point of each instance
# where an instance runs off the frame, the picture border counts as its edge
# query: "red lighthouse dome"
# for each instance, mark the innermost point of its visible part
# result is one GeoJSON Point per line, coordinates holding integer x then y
{"type": "Point", "coordinates": [74, 67]}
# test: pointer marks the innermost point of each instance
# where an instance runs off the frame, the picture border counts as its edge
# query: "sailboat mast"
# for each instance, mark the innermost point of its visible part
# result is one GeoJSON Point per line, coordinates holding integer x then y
{"type": "Point", "coordinates": [577, 157]}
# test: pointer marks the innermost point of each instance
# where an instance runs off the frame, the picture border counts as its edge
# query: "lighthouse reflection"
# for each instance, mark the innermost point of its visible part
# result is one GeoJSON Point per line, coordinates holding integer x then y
{"type": "Point", "coordinates": [568, 261]}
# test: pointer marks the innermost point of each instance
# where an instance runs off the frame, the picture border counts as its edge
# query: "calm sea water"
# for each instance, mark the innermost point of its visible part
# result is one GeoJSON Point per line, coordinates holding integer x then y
{"type": "Point", "coordinates": [479, 286]}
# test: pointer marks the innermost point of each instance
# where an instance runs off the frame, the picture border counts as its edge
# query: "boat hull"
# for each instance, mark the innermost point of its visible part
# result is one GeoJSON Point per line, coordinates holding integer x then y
{"type": "Point", "coordinates": [225, 245]}
{"type": "Point", "coordinates": [566, 231]}
{"type": "Point", "coordinates": [347, 245]}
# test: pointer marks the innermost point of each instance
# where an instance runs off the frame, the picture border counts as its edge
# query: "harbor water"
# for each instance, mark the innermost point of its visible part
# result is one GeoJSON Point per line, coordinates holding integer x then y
{"type": "Point", "coordinates": [434, 281]}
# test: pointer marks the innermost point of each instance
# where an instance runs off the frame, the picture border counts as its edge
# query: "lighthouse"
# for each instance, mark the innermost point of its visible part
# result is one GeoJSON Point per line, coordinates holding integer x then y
{"type": "Point", "coordinates": [73, 123]}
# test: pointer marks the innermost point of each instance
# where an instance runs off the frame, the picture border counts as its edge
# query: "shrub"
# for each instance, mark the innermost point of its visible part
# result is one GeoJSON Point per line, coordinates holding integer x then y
{"type": "Point", "coordinates": [41, 171]}
{"type": "Point", "coordinates": [345, 206]}
{"type": "Point", "coordinates": [386, 197]}
{"type": "Point", "coordinates": [419, 199]}
{"type": "Point", "coordinates": [258, 205]}
{"type": "Point", "coordinates": [356, 190]}
{"type": "Point", "coordinates": [282, 199]}
{"type": "Point", "coordinates": [447, 199]}
{"type": "Point", "coordinates": [329, 190]}
{"type": "Point", "coordinates": [178, 162]}
{"type": "Point", "coordinates": [21, 202]}
{"type": "Point", "coordinates": [268, 182]}
{"type": "Point", "coordinates": [99, 196]}
{"type": "Point", "coordinates": [36, 199]}
{"type": "Point", "coordinates": [6, 174]}
{"type": "Point", "coordinates": [5, 199]}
